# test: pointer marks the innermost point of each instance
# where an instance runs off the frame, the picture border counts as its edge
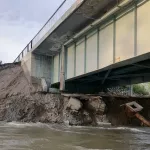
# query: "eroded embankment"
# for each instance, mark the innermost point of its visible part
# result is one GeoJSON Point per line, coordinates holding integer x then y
{"type": "Point", "coordinates": [20, 101]}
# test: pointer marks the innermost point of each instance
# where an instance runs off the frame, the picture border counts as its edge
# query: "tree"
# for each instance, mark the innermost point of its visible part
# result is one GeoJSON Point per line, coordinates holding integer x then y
{"type": "Point", "coordinates": [0, 62]}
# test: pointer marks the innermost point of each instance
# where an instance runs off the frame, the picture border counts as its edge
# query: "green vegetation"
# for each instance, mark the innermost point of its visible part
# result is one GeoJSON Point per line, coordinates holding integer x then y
{"type": "Point", "coordinates": [140, 89]}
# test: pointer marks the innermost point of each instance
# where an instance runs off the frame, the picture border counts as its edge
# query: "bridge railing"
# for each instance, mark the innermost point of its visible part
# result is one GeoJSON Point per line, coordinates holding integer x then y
{"type": "Point", "coordinates": [65, 5]}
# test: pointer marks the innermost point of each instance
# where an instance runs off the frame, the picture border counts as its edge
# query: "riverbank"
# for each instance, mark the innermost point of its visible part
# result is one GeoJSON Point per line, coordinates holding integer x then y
{"type": "Point", "coordinates": [20, 101]}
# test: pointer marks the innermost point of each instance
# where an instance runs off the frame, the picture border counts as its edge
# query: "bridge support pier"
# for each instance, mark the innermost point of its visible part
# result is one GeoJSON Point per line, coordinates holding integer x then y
{"type": "Point", "coordinates": [62, 74]}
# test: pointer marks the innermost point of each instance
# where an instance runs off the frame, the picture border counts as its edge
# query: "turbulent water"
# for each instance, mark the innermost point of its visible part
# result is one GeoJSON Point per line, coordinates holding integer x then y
{"type": "Point", "coordinates": [29, 136]}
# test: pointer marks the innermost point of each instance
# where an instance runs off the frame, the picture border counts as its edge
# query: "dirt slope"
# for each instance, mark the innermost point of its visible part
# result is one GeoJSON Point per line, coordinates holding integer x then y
{"type": "Point", "coordinates": [20, 101]}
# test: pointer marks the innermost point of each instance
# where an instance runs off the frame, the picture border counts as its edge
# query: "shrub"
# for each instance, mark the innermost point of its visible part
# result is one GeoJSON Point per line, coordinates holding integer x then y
{"type": "Point", "coordinates": [140, 90]}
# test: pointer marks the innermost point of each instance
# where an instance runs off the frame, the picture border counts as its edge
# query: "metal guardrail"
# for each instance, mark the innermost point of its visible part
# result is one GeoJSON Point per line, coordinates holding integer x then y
{"type": "Point", "coordinates": [65, 5]}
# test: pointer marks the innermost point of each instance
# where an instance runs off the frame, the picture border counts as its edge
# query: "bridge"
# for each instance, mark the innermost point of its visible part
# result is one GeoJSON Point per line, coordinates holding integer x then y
{"type": "Point", "coordinates": [90, 45]}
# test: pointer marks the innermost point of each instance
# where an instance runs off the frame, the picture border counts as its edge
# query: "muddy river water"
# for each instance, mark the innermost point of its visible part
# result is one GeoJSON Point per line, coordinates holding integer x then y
{"type": "Point", "coordinates": [29, 136]}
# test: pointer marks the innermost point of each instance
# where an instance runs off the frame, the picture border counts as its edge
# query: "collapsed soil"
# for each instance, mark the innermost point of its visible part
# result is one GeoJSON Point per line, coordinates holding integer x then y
{"type": "Point", "coordinates": [21, 101]}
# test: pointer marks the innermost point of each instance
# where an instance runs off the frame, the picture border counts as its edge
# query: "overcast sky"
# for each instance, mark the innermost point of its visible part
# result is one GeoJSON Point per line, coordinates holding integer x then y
{"type": "Point", "coordinates": [20, 20]}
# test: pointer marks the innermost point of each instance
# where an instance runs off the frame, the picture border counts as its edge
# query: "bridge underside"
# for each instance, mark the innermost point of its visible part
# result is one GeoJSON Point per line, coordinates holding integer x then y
{"type": "Point", "coordinates": [131, 71]}
{"type": "Point", "coordinates": [75, 21]}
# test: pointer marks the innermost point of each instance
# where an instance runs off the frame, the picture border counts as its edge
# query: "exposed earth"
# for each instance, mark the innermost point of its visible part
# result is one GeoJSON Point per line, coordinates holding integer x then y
{"type": "Point", "coordinates": [21, 101]}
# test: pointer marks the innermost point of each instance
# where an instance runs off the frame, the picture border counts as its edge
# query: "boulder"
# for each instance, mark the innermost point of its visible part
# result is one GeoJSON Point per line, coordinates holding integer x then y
{"type": "Point", "coordinates": [96, 105]}
{"type": "Point", "coordinates": [74, 104]}
{"type": "Point", "coordinates": [78, 118]}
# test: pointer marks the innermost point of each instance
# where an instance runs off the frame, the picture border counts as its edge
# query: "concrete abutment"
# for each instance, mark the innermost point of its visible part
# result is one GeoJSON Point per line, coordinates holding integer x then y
{"type": "Point", "coordinates": [37, 67]}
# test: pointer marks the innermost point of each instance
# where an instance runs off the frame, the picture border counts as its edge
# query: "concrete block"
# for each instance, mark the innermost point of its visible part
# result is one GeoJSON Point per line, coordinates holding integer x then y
{"type": "Point", "coordinates": [48, 81]}
{"type": "Point", "coordinates": [44, 85]}
{"type": "Point", "coordinates": [134, 106]}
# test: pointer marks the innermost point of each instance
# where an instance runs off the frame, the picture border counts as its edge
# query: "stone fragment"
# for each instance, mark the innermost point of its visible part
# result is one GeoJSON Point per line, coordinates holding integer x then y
{"type": "Point", "coordinates": [97, 105]}
{"type": "Point", "coordinates": [74, 104]}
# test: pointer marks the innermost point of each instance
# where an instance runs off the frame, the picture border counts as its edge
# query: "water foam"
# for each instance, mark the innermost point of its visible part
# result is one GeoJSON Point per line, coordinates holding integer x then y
{"type": "Point", "coordinates": [23, 125]}
{"type": "Point", "coordinates": [110, 128]}
{"type": "Point", "coordinates": [126, 128]}
{"type": "Point", "coordinates": [83, 148]}
{"type": "Point", "coordinates": [42, 125]}
{"type": "Point", "coordinates": [69, 131]}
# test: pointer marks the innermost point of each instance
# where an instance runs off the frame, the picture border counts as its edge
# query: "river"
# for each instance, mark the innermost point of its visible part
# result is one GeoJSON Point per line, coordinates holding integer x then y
{"type": "Point", "coordinates": [30, 136]}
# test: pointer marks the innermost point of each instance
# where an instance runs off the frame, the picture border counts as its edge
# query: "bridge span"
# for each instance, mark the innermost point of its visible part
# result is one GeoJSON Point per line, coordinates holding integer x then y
{"type": "Point", "coordinates": [90, 45]}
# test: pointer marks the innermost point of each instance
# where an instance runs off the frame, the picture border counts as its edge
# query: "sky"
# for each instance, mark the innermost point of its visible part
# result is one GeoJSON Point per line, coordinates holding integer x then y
{"type": "Point", "coordinates": [20, 20]}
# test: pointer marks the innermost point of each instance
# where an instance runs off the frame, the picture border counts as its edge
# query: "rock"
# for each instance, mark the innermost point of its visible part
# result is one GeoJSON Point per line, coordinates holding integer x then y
{"type": "Point", "coordinates": [96, 105]}
{"type": "Point", "coordinates": [87, 119]}
{"type": "Point", "coordinates": [75, 118]}
{"type": "Point", "coordinates": [74, 104]}
{"type": "Point", "coordinates": [79, 118]}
